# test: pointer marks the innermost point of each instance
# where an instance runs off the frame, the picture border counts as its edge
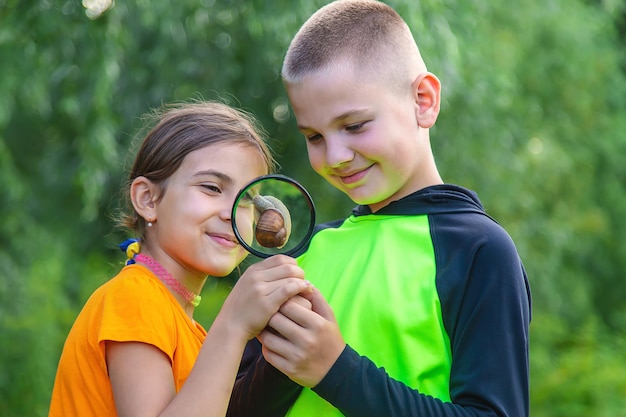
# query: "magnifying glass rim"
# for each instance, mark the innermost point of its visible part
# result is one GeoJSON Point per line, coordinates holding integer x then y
{"type": "Point", "coordinates": [309, 200]}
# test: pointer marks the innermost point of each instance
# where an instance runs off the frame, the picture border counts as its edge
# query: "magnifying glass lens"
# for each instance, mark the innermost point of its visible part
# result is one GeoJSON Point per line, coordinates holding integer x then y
{"type": "Point", "coordinates": [273, 215]}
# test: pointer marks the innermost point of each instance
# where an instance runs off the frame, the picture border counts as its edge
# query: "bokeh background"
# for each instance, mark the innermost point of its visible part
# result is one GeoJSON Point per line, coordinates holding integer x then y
{"type": "Point", "coordinates": [533, 118]}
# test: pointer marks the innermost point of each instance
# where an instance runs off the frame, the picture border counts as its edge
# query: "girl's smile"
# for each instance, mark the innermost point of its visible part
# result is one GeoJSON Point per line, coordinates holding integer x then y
{"type": "Point", "coordinates": [228, 241]}
{"type": "Point", "coordinates": [193, 226]}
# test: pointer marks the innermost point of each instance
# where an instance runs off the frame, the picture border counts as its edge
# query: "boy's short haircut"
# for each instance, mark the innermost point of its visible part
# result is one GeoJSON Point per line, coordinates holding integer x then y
{"type": "Point", "coordinates": [367, 34]}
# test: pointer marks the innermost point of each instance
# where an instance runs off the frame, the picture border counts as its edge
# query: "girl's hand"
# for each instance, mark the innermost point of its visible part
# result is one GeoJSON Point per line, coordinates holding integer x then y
{"type": "Point", "coordinates": [261, 291]}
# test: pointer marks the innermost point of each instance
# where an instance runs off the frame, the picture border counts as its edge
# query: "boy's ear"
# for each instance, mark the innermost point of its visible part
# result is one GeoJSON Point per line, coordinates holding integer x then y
{"type": "Point", "coordinates": [427, 93]}
{"type": "Point", "coordinates": [143, 194]}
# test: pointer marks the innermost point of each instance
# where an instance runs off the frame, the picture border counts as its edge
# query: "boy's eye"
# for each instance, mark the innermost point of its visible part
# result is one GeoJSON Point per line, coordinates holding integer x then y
{"type": "Point", "coordinates": [313, 138]}
{"type": "Point", "coordinates": [355, 128]}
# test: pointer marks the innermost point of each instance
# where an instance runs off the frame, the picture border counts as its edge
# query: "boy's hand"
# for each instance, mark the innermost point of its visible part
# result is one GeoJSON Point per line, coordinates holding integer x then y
{"type": "Point", "coordinates": [297, 299]}
{"type": "Point", "coordinates": [307, 342]}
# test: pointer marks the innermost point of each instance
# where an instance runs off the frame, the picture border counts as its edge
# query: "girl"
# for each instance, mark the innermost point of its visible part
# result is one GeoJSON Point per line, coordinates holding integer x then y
{"type": "Point", "coordinates": [135, 349]}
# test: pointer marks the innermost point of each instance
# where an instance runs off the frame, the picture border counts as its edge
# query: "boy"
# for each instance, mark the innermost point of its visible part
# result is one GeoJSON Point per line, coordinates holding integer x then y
{"type": "Point", "coordinates": [431, 299]}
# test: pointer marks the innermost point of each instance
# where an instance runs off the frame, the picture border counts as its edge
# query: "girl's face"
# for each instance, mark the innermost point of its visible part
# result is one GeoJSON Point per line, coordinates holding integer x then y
{"type": "Point", "coordinates": [193, 218]}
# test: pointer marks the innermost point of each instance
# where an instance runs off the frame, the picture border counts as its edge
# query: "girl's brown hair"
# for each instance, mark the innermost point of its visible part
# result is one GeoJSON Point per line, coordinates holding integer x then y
{"type": "Point", "coordinates": [179, 129]}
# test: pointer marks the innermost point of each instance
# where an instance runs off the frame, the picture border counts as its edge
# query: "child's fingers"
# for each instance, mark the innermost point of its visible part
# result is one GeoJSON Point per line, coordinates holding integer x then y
{"type": "Point", "coordinates": [284, 271]}
{"type": "Point", "coordinates": [299, 300]}
{"type": "Point", "coordinates": [277, 354]}
{"type": "Point", "coordinates": [286, 288]}
{"type": "Point", "coordinates": [274, 261]}
{"type": "Point", "coordinates": [291, 318]}
{"type": "Point", "coordinates": [319, 304]}
{"type": "Point", "coordinates": [275, 268]}
{"type": "Point", "coordinates": [273, 339]}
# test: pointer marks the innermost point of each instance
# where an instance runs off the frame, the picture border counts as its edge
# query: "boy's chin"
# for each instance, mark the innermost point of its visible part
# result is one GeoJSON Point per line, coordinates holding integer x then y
{"type": "Point", "coordinates": [363, 199]}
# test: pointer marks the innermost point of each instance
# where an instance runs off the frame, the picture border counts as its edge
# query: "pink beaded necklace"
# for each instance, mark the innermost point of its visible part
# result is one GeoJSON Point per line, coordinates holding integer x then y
{"type": "Point", "coordinates": [168, 279]}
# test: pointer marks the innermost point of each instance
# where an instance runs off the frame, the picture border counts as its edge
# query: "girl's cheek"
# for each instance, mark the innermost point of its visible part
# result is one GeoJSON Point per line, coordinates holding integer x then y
{"type": "Point", "coordinates": [245, 226]}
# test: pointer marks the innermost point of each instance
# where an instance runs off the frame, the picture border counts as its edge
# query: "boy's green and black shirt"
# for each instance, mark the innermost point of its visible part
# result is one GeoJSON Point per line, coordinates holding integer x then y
{"type": "Point", "coordinates": [434, 303]}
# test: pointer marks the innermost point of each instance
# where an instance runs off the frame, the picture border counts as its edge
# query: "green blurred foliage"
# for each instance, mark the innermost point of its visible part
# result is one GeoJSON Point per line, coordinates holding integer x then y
{"type": "Point", "coordinates": [532, 119]}
{"type": "Point", "coordinates": [577, 371]}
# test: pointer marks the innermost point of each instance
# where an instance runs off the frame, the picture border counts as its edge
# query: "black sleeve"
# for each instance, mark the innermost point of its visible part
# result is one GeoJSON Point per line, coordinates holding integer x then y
{"type": "Point", "coordinates": [260, 389]}
{"type": "Point", "coordinates": [357, 388]}
{"type": "Point", "coordinates": [485, 301]}
{"type": "Point", "coordinates": [486, 307]}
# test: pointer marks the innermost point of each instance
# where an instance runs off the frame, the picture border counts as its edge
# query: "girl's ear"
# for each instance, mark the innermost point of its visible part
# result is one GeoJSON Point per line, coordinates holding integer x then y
{"type": "Point", "coordinates": [143, 194]}
{"type": "Point", "coordinates": [427, 93]}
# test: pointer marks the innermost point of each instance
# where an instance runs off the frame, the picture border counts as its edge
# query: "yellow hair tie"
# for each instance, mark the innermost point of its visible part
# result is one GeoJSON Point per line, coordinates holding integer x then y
{"type": "Point", "coordinates": [131, 247]}
{"type": "Point", "coordinates": [132, 250]}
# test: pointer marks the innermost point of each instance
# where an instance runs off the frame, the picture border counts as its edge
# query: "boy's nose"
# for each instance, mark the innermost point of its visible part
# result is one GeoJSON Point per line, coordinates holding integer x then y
{"type": "Point", "coordinates": [337, 153]}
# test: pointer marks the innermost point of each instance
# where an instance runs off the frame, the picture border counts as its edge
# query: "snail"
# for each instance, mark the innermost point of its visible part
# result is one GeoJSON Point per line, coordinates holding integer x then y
{"type": "Point", "coordinates": [273, 225]}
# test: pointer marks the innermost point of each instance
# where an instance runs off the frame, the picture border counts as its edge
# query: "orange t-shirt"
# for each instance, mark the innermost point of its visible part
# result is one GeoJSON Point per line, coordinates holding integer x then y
{"type": "Point", "coordinates": [134, 306]}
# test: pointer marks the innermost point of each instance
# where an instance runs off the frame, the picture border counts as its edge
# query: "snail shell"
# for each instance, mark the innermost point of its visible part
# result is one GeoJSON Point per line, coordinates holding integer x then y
{"type": "Point", "coordinates": [270, 230]}
{"type": "Point", "coordinates": [273, 226]}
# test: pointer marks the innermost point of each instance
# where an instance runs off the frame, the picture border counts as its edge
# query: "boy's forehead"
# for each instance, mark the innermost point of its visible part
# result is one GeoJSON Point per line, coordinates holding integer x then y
{"type": "Point", "coordinates": [350, 77]}
{"type": "Point", "coordinates": [344, 68]}
{"type": "Point", "coordinates": [337, 78]}
{"type": "Point", "coordinates": [367, 73]}
{"type": "Point", "coordinates": [322, 99]}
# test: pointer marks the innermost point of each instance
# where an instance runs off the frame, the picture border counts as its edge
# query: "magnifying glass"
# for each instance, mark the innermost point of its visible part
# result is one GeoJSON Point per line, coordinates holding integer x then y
{"type": "Point", "coordinates": [273, 214]}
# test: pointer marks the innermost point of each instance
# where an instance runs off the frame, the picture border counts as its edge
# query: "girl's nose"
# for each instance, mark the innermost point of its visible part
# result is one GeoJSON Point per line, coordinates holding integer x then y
{"type": "Point", "coordinates": [226, 208]}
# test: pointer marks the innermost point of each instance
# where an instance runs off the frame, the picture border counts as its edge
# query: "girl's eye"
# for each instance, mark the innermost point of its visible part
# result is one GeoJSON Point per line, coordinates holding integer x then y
{"type": "Point", "coordinates": [212, 187]}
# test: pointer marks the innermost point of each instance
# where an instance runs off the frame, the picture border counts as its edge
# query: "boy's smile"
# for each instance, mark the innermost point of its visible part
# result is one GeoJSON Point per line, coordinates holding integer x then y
{"type": "Point", "coordinates": [362, 136]}
{"type": "Point", "coordinates": [354, 178]}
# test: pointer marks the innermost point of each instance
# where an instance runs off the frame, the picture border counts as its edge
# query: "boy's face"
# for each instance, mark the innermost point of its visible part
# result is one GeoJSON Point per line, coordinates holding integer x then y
{"type": "Point", "coordinates": [362, 136]}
